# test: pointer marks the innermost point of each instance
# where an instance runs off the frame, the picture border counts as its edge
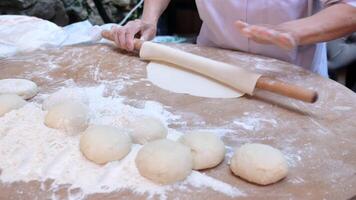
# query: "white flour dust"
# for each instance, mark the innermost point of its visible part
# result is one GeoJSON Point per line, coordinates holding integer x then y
{"type": "Point", "coordinates": [253, 122]}
{"type": "Point", "coordinates": [32, 151]}
{"type": "Point", "coordinates": [341, 108]}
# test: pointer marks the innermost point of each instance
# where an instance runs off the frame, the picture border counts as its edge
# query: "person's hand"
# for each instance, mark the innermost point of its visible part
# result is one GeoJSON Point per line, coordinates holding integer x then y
{"type": "Point", "coordinates": [124, 36]}
{"type": "Point", "coordinates": [277, 35]}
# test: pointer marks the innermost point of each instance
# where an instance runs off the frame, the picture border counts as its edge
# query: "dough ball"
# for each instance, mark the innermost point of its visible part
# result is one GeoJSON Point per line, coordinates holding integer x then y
{"type": "Point", "coordinates": [65, 94]}
{"type": "Point", "coordinates": [68, 116]}
{"type": "Point", "coordinates": [102, 144]}
{"type": "Point", "coordinates": [146, 129]}
{"type": "Point", "coordinates": [259, 163]}
{"type": "Point", "coordinates": [22, 87]}
{"type": "Point", "coordinates": [10, 102]}
{"type": "Point", "coordinates": [164, 161]}
{"type": "Point", "coordinates": [207, 149]}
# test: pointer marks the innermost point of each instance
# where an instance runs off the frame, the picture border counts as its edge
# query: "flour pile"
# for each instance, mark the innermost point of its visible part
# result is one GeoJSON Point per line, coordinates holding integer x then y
{"type": "Point", "coordinates": [32, 151]}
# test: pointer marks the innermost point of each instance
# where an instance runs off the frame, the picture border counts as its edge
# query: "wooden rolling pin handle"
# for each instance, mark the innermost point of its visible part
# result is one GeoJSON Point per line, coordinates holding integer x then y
{"type": "Point", "coordinates": [286, 89]}
{"type": "Point", "coordinates": [108, 35]}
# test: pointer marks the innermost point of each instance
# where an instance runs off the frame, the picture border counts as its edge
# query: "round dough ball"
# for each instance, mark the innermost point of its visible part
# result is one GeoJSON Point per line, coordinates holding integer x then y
{"type": "Point", "coordinates": [10, 102]}
{"type": "Point", "coordinates": [68, 116]}
{"type": "Point", "coordinates": [102, 144]}
{"type": "Point", "coordinates": [65, 94]}
{"type": "Point", "coordinates": [146, 129]}
{"type": "Point", "coordinates": [164, 161]}
{"type": "Point", "coordinates": [207, 149]}
{"type": "Point", "coordinates": [259, 163]}
{"type": "Point", "coordinates": [22, 87]}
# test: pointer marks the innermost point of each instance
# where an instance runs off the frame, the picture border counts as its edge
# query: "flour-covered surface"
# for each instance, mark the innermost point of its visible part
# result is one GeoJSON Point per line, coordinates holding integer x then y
{"type": "Point", "coordinates": [55, 154]}
{"type": "Point", "coordinates": [37, 162]}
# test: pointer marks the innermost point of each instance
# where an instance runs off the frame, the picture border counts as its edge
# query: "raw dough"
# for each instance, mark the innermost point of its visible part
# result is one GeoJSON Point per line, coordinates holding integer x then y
{"type": "Point", "coordinates": [10, 102]}
{"type": "Point", "coordinates": [102, 144]}
{"type": "Point", "coordinates": [233, 76]}
{"type": "Point", "coordinates": [68, 116]}
{"type": "Point", "coordinates": [146, 129]}
{"type": "Point", "coordinates": [207, 149]}
{"type": "Point", "coordinates": [22, 87]}
{"type": "Point", "coordinates": [65, 94]}
{"type": "Point", "coordinates": [174, 79]}
{"type": "Point", "coordinates": [259, 163]}
{"type": "Point", "coordinates": [164, 161]}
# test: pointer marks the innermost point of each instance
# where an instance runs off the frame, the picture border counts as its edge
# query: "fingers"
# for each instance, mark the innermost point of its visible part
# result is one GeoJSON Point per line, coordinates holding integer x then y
{"type": "Point", "coordinates": [287, 41]}
{"type": "Point", "coordinates": [121, 37]}
{"type": "Point", "coordinates": [107, 35]}
{"type": "Point", "coordinates": [266, 35]}
{"type": "Point", "coordinates": [257, 33]}
{"type": "Point", "coordinates": [124, 36]}
{"type": "Point", "coordinates": [116, 32]}
{"type": "Point", "coordinates": [263, 34]}
{"type": "Point", "coordinates": [243, 28]}
{"type": "Point", "coordinates": [241, 25]}
{"type": "Point", "coordinates": [130, 36]}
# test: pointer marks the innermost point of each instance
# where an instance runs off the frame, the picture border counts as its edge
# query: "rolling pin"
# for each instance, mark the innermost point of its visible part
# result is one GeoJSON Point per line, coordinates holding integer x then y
{"type": "Point", "coordinates": [263, 82]}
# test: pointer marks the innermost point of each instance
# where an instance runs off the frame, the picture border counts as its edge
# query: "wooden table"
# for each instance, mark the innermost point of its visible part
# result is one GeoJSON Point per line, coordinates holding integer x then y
{"type": "Point", "coordinates": [319, 139]}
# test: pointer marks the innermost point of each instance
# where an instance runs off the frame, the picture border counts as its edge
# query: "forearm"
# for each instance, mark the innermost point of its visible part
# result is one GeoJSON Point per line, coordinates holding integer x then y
{"type": "Point", "coordinates": [153, 9]}
{"type": "Point", "coordinates": [331, 23]}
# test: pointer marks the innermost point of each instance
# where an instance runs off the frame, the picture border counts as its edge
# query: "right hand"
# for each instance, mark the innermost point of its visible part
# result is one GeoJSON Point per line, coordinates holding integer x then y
{"type": "Point", "coordinates": [279, 35]}
{"type": "Point", "coordinates": [124, 36]}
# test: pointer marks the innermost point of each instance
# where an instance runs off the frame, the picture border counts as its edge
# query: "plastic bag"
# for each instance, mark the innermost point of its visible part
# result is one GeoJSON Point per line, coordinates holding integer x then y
{"type": "Point", "coordinates": [24, 33]}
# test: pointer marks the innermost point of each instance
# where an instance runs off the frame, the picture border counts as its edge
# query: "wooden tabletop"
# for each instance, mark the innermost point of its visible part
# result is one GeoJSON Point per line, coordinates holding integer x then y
{"type": "Point", "coordinates": [319, 139]}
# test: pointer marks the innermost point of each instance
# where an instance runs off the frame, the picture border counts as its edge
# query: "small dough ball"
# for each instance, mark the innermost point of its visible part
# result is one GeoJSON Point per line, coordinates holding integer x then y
{"type": "Point", "coordinates": [259, 163]}
{"type": "Point", "coordinates": [22, 87]}
{"type": "Point", "coordinates": [68, 116]}
{"type": "Point", "coordinates": [10, 102]}
{"type": "Point", "coordinates": [65, 94]}
{"type": "Point", "coordinates": [102, 144]}
{"type": "Point", "coordinates": [146, 129]}
{"type": "Point", "coordinates": [164, 161]}
{"type": "Point", "coordinates": [207, 149]}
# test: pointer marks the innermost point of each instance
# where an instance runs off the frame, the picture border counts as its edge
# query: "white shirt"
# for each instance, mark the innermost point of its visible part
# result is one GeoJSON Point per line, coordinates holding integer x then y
{"type": "Point", "coordinates": [218, 29]}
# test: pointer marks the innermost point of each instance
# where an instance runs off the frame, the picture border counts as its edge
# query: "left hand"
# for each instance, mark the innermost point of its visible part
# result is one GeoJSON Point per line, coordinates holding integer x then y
{"type": "Point", "coordinates": [277, 35]}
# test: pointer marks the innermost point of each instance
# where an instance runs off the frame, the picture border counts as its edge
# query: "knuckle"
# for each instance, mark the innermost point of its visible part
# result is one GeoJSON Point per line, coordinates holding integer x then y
{"type": "Point", "coordinates": [118, 30]}
{"type": "Point", "coordinates": [138, 21]}
{"type": "Point", "coordinates": [130, 23]}
{"type": "Point", "coordinates": [134, 29]}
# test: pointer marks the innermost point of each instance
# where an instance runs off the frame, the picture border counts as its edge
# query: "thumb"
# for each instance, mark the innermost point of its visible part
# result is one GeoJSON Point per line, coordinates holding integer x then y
{"type": "Point", "coordinates": [145, 36]}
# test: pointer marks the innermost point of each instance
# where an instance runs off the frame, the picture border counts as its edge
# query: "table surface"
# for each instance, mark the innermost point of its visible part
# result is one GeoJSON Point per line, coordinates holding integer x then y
{"type": "Point", "coordinates": [319, 138]}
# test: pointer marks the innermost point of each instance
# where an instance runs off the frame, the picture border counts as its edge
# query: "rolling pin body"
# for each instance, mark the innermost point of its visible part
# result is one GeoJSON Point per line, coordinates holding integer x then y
{"type": "Point", "coordinates": [233, 76]}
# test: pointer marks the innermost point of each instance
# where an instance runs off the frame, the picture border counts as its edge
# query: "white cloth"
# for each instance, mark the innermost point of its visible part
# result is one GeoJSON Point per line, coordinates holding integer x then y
{"type": "Point", "coordinates": [23, 34]}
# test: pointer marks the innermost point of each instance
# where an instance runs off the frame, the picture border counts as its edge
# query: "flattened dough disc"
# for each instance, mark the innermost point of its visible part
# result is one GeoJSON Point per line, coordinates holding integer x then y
{"type": "Point", "coordinates": [171, 78]}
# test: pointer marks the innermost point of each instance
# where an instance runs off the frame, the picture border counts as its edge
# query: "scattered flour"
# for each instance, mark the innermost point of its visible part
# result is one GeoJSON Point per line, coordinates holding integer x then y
{"type": "Point", "coordinates": [32, 151]}
{"type": "Point", "coordinates": [254, 123]}
{"type": "Point", "coordinates": [341, 108]}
